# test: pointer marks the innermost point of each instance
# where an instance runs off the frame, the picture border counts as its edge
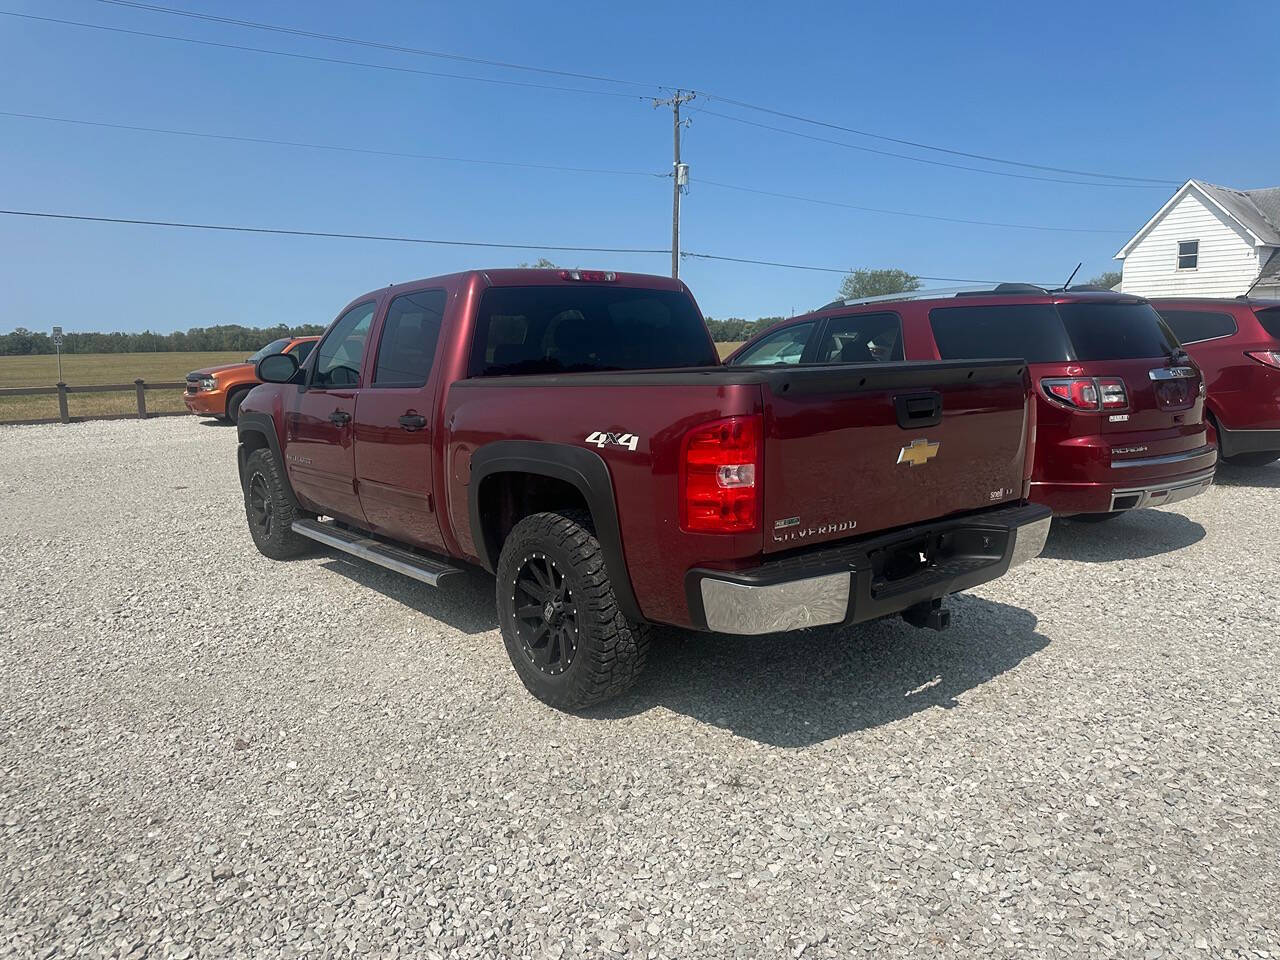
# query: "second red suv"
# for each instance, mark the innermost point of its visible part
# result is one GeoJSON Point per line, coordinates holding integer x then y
{"type": "Point", "coordinates": [1237, 345]}
{"type": "Point", "coordinates": [1120, 406]}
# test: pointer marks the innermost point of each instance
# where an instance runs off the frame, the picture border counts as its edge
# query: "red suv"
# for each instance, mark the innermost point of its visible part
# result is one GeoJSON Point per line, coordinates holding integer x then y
{"type": "Point", "coordinates": [1237, 345]}
{"type": "Point", "coordinates": [1120, 406]}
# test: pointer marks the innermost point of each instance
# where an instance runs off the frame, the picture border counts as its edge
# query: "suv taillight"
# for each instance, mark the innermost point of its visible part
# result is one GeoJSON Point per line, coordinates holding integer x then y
{"type": "Point", "coordinates": [719, 490]}
{"type": "Point", "coordinates": [1270, 357]}
{"type": "Point", "coordinates": [1087, 393]}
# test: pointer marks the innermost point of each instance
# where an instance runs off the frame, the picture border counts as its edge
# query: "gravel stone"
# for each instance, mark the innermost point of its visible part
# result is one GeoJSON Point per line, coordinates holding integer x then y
{"type": "Point", "coordinates": [208, 754]}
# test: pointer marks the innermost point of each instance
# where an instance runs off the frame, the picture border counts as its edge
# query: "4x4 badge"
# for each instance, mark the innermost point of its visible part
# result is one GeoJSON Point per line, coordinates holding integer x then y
{"type": "Point", "coordinates": [918, 452]}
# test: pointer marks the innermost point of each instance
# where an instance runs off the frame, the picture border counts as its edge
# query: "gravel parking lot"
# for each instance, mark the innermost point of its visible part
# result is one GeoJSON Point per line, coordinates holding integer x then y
{"type": "Point", "coordinates": [209, 754]}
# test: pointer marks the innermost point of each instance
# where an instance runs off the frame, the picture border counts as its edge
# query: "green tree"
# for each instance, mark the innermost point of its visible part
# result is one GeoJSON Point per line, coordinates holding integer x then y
{"type": "Point", "coordinates": [542, 263]}
{"type": "Point", "coordinates": [877, 283]}
{"type": "Point", "coordinates": [1108, 279]}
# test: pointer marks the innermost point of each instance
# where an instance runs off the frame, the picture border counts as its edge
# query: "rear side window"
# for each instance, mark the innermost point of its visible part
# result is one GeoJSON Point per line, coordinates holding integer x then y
{"type": "Point", "coordinates": [1116, 331]}
{"type": "Point", "coordinates": [408, 344]}
{"type": "Point", "coordinates": [1193, 326]}
{"type": "Point", "coordinates": [785, 346]}
{"type": "Point", "coordinates": [1031, 331]}
{"type": "Point", "coordinates": [865, 338]}
{"type": "Point", "coordinates": [338, 359]}
{"type": "Point", "coordinates": [581, 327]}
{"type": "Point", "coordinates": [1270, 320]}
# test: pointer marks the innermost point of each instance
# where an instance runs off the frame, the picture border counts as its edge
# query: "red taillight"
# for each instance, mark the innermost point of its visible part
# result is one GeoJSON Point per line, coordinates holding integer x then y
{"type": "Point", "coordinates": [719, 489]}
{"type": "Point", "coordinates": [1078, 392]}
{"type": "Point", "coordinates": [594, 276]}
{"type": "Point", "coordinates": [1270, 357]}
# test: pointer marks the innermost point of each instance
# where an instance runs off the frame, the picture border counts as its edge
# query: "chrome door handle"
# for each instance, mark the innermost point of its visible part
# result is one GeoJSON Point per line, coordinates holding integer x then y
{"type": "Point", "coordinates": [413, 421]}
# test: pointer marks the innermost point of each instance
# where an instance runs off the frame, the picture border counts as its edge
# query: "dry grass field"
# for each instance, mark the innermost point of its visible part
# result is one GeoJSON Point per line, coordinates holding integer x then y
{"type": "Point", "coordinates": [88, 369]}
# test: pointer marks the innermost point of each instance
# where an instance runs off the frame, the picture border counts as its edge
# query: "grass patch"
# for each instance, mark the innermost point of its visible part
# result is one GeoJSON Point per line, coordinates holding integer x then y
{"type": "Point", "coordinates": [88, 369]}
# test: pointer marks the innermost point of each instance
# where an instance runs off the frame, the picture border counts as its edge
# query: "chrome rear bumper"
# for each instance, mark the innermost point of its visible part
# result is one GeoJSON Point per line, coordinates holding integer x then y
{"type": "Point", "coordinates": [853, 582]}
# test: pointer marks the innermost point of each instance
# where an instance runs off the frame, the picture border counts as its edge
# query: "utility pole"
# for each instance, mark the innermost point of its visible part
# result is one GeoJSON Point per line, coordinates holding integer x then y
{"type": "Point", "coordinates": [679, 173]}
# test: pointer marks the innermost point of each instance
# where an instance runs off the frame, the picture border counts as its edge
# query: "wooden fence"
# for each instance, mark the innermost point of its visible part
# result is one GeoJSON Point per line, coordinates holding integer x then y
{"type": "Point", "coordinates": [140, 387]}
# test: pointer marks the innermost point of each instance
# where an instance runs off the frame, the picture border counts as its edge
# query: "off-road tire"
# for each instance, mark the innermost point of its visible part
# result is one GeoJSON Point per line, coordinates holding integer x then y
{"type": "Point", "coordinates": [264, 487]}
{"type": "Point", "coordinates": [610, 649]}
{"type": "Point", "coordinates": [233, 404]}
{"type": "Point", "coordinates": [1260, 459]}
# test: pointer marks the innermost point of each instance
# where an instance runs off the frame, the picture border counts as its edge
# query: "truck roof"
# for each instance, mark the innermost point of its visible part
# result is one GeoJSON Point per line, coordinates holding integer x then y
{"type": "Point", "coordinates": [530, 276]}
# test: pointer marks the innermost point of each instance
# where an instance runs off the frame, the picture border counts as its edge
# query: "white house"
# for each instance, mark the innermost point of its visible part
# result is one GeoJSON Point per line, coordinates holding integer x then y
{"type": "Point", "coordinates": [1207, 241]}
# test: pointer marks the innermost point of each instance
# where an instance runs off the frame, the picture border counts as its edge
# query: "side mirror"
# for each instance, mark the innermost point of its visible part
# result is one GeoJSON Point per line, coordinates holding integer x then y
{"type": "Point", "coordinates": [277, 368]}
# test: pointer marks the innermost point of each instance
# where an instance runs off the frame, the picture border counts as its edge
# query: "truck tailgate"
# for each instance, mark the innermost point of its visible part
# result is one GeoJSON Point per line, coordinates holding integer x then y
{"type": "Point", "coordinates": [850, 450]}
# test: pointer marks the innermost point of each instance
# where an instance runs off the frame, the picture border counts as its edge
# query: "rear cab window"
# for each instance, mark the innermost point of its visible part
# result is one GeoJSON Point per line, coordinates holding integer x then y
{"type": "Point", "coordinates": [581, 328]}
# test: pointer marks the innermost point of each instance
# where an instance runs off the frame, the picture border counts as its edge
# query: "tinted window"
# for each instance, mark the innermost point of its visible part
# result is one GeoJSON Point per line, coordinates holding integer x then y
{"type": "Point", "coordinates": [1192, 326]}
{"type": "Point", "coordinates": [338, 359]}
{"type": "Point", "coordinates": [303, 350]}
{"type": "Point", "coordinates": [1116, 331]}
{"type": "Point", "coordinates": [1270, 320]}
{"type": "Point", "coordinates": [408, 343]}
{"type": "Point", "coordinates": [275, 346]}
{"type": "Point", "coordinates": [784, 346]}
{"type": "Point", "coordinates": [580, 327]}
{"type": "Point", "coordinates": [865, 338]}
{"type": "Point", "coordinates": [1032, 332]}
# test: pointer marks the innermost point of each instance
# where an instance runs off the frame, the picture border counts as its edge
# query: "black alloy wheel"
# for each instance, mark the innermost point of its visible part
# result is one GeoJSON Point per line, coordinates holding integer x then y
{"type": "Point", "coordinates": [546, 614]}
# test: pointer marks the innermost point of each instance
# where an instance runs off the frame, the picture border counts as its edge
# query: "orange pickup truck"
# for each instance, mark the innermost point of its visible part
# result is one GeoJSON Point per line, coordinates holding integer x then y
{"type": "Point", "coordinates": [218, 391]}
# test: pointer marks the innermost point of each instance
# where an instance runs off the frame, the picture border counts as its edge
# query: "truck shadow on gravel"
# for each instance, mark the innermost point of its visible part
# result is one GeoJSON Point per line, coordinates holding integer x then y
{"type": "Point", "coordinates": [1138, 534]}
{"type": "Point", "coordinates": [798, 689]}
{"type": "Point", "coordinates": [467, 605]}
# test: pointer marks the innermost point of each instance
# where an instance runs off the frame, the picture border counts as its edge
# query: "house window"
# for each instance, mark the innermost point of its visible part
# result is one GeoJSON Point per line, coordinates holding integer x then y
{"type": "Point", "coordinates": [1188, 254]}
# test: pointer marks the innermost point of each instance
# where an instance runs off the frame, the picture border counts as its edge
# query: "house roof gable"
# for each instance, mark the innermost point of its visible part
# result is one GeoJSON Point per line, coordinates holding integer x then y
{"type": "Point", "coordinates": [1256, 211]}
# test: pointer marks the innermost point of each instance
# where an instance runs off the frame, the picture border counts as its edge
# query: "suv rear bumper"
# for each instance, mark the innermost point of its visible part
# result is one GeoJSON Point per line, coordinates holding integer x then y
{"type": "Point", "coordinates": [1068, 498]}
{"type": "Point", "coordinates": [870, 578]}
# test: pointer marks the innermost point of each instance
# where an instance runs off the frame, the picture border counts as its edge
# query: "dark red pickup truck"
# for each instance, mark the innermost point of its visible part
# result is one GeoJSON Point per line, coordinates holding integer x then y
{"type": "Point", "coordinates": [574, 433]}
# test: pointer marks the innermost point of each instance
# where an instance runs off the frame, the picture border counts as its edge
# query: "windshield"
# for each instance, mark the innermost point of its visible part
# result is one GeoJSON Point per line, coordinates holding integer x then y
{"type": "Point", "coordinates": [1043, 333]}
{"type": "Point", "coordinates": [586, 327]}
{"type": "Point", "coordinates": [275, 346]}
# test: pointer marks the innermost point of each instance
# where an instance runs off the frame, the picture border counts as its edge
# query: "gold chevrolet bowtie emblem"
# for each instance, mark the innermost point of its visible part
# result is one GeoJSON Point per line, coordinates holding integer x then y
{"type": "Point", "coordinates": [918, 452]}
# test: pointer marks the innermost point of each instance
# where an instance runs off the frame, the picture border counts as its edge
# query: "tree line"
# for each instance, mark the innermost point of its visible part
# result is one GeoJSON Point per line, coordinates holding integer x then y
{"type": "Point", "coordinates": [224, 338]}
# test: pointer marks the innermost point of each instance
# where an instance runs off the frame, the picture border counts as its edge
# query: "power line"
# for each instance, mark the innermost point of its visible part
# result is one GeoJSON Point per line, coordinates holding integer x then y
{"type": "Point", "coordinates": [328, 146]}
{"type": "Point", "coordinates": [228, 228]}
{"type": "Point", "coordinates": [236, 228]}
{"type": "Point", "coordinates": [319, 59]}
{"type": "Point", "coordinates": [541, 166]}
{"type": "Point", "coordinates": [396, 48]}
{"type": "Point", "coordinates": [803, 266]}
{"type": "Point", "coordinates": [902, 213]}
{"type": "Point", "coordinates": [926, 146]}
{"type": "Point", "coordinates": [295, 31]}
{"type": "Point", "coordinates": [932, 163]}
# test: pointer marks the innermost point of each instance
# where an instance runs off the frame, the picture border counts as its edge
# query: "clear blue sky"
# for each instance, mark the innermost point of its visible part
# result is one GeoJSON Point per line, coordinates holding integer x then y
{"type": "Point", "coordinates": [1148, 90]}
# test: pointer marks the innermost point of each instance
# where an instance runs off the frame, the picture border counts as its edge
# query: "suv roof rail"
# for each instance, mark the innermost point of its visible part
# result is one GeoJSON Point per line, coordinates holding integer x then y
{"type": "Point", "coordinates": [935, 293]}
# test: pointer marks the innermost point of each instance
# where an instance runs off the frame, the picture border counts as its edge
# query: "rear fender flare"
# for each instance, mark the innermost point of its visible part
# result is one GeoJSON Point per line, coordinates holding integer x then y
{"type": "Point", "coordinates": [261, 424]}
{"type": "Point", "coordinates": [582, 469]}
